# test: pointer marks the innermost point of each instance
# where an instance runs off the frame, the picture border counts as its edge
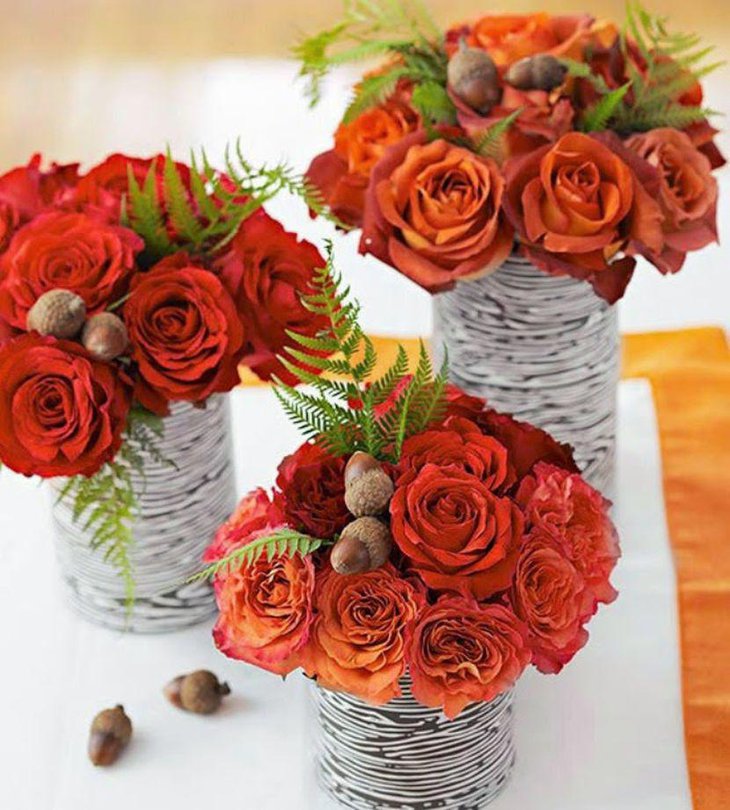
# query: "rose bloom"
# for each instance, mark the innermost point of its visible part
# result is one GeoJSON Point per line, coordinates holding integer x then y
{"type": "Point", "coordinates": [552, 598]}
{"type": "Point", "coordinates": [61, 412]}
{"type": "Point", "coordinates": [433, 211]}
{"type": "Point", "coordinates": [567, 508]}
{"type": "Point", "coordinates": [687, 193]}
{"type": "Point", "coordinates": [342, 173]}
{"type": "Point", "coordinates": [580, 203]}
{"type": "Point", "coordinates": [312, 483]}
{"type": "Point", "coordinates": [70, 251]}
{"type": "Point", "coordinates": [359, 635]}
{"type": "Point", "coordinates": [267, 268]}
{"type": "Point", "coordinates": [186, 335]}
{"type": "Point", "coordinates": [454, 532]}
{"type": "Point", "coordinates": [461, 444]}
{"type": "Point", "coordinates": [461, 652]}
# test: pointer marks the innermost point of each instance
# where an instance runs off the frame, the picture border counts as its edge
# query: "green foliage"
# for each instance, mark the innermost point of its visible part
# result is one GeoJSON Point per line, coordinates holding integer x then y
{"type": "Point", "coordinates": [489, 142]}
{"type": "Point", "coordinates": [340, 410]}
{"type": "Point", "coordinates": [581, 70]}
{"type": "Point", "coordinates": [105, 504]}
{"type": "Point", "coordinates": [281, 542]}
{"type": "Point", "coordinates": [596, 118]}
{"type": "Point", "coordinates": [433, 103]}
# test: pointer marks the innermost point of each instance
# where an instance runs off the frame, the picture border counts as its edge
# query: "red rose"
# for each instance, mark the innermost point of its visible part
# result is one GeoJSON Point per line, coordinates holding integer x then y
{"type": "Point", "coordinates": [461, 444]}
{"type": "Point", "coordinates": [267, 268]}
{"type": "Point", "coordinates": [552, 598]}
{"type": "Point", "coordinates": [186, 335]}
{"type": "Point", "coordinates": [569, 510]}
{"type": "Point", "coordinates": [71, 251]}
{"type": "Point", "coordinates": [461, 652]}
{"type": "Point", "coordinates": [61, 412]}
{"type": "Point", "coordinates": [312, 483]}
{"type": "Point", "coordinates": [459, 403]}
{"type": "Point", "coordinates": [455, 533]}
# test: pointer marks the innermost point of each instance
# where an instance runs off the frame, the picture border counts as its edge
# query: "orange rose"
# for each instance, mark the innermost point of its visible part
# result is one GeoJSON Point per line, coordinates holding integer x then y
{"type": "Point", "coordinates": [462, 652]}
{"type": "Point", "coordinates": [687, 193]}
{"type": "Point", "coordinates": [433, 211]}
{"type": "Point", "coordinates": [359, 634]}
{"type": "Point", "coordinates": [581, 203]}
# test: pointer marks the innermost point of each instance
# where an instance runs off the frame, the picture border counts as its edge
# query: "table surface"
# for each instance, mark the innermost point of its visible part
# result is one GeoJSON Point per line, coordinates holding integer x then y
{"type": "Point", "coordinates": [606, 734]}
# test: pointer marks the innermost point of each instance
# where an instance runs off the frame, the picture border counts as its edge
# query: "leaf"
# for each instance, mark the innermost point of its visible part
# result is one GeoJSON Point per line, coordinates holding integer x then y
{"type": "Point", "coordinates": [489, 142]}
{"type": "Point", "coordinates": [597, 117]}
{"type": "Point", "coordinates": [373, 91]}
{"type": "Point", "coordinates": [433, 103]}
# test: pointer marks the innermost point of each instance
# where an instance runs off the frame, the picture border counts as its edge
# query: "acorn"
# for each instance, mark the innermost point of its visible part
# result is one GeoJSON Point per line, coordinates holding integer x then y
{"type": "Point", "coordinates": [364, 545]}
{"type": "Point", "coordinates": [368, 488]}
{"type": "Point", "coordinates": [105, 336]}
{"type": "Point", "coordinates": [473, 76]}
{"type": "Point", "coordinates": [111, 731]}
{"type": "Point", "coordinates": [199, 692]}
{"type": "Point", "coordinates": [541, 72]}
{"type": "Point", "coordinates": [57, 313]}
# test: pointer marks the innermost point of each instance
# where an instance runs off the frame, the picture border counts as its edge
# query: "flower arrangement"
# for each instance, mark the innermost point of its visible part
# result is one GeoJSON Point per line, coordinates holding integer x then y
{"type": "Point", "coordinates": [587, 145]}
{"type": "Point", "coordinates": [140, 283]}
{"type": "Point", "coordinates": [416, 531]}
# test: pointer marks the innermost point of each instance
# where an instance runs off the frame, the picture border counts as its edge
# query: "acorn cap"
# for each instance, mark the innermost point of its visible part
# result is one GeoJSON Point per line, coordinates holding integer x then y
{"type": "Point", "coordinates": [369, 494]}
{"type": "Point", "coordinates": [364, 545]}
{"type": "Point", "coordinates": [57, 313]}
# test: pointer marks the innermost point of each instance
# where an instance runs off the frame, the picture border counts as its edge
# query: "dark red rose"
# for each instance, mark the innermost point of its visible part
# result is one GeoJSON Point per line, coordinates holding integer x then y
{"type": "Point", "coordinates": [71, 251]}
{"type": "Point", "coordinates": [313, 487]}
{"type": "Point", "coordinates": [186, 335]}
{"type": "Point", "coordinates": [266, 269]}
{"type": "Point", "coordinates": [61, 412]}
{"type": "Point", "coordinates": [459, 403]}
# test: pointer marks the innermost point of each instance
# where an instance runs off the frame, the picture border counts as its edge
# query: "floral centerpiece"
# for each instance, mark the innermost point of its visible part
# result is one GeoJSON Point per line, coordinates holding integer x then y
{"type": "Point", "coordinates": [129, 295]}
{"type": "Point", "coordinates": [550, 148]}
{"type": "Point", "coordinates": [418, 552]}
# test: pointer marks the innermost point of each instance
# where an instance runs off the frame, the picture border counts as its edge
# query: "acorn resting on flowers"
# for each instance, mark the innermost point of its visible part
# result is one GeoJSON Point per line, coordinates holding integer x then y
{"type": "Point", "coordinates": [111, 731]}
{"type": "Point", "coordinates": [57, 313]}
{"type": "Point", "coordinates": [105, 336]}
{"type": "Point", "coordinates": [368, 488]}
{"type": "Point", "coordinates": [199, 692]}
{"type": "Point", "coordinates": [540, 72]}
{"type": "Point", "coordinates": [473, 76]}
{"type": "Point", "coordinates": [364, 545]}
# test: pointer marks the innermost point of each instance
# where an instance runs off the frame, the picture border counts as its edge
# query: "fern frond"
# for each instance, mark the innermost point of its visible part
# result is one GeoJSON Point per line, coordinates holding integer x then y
{"type": "Point", "coordinates": [145, 215]}
{"type": "Point", "coordinates": [489, 142]}
{"type": "Point", "coordinates": [597, 117]}
{"type": "Point", "coordinates": [373, 91]}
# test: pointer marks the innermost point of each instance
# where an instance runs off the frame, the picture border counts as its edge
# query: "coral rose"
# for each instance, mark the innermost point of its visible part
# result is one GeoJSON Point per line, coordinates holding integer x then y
{"type": "Point", "coordinates": [461, 444]}
{"type": "Point", "coordinates": [70, 251]}
{"type": "Point", "coordinates": [580, 203]}
{"type": "Point", "coordinates": [312, 483]}
{"type": "Point", "coordinates": [359, 635]}
{"type": "Point", "coordinates": [461, 652]}
{"type": "Point", "coordinates": [454, 532]}
{"type": "Point", "coordinates": [266, 269]}
{"type": "Point", "coordinates": [552, 598]}
{"type": "Point", "coordinates": [564, 506]}
{"type": "Point", "coordinates": [186, 335]}
{"type": "Point", "coordinates": [433, 211]}
{"type": "Point", "coordinates": [687, 194]}
{"type": "Point", "coordinates": [61, 411]}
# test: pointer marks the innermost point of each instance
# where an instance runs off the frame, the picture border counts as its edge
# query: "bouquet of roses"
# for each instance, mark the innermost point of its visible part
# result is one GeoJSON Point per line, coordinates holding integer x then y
{"type": "Point", "coordinates": [588, 145]}
{"type": "Point", "coordinates": [416, 532]}
{"type": "Point", "coordinates": [140, 283]}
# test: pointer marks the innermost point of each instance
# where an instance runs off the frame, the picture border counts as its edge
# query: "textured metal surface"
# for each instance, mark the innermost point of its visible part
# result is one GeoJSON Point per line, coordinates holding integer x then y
{"type": "Point", "coordinates": [180, 512]}
{"type": "Point", "coordinates": [407, 756]}
{"type": "Point", "coordinates": [543, 348]}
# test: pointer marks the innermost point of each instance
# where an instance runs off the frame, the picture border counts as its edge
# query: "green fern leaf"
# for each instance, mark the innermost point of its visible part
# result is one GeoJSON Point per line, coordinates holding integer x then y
{"type": "Point", "coordinates": [489, 142]}
{"type": "Point", "coordinates": [597, 117]}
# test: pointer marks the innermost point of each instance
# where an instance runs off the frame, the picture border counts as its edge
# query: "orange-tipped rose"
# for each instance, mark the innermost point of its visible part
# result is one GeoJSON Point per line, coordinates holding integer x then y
{"type": "Point", "coordinates": [462, 652]}
{"type": "Point", "coordinates": [687, 194]}
{"type": "Point", "coordinates": [582, 203]}
{"type": "Point", "coordinates": [358, 640]}
{"type": "Point", "coordinates": [433, 211]}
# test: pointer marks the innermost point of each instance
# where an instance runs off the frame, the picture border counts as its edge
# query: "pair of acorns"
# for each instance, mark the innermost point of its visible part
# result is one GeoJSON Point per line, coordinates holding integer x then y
{"type": "Point", "coordinates": [199, 692]}
{"type": "Point", "coordinates": [474, 77]}
{"type": "Point", "coordinates": [62, 314]}
{"type": "Point", "coordinates": [364, 544]}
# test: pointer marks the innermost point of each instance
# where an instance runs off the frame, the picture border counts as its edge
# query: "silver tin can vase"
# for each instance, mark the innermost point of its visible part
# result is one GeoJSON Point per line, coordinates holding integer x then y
{"type": "Point", "coordinates": [405, 755]}
{"type": "Point", "coordinates": [543, 348]}
{"type": "Point", "coordinates": [181, 505]}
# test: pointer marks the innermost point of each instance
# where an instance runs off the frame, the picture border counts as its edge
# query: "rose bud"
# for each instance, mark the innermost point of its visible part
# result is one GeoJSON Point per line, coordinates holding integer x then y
{"type": "Point", "coordinates": [110, 733]}
{"type": "Point", "coordinates": [199, 692]}
{"type": "Point", "coordinates": [541, 72]}
{"type": "Point", "coordinates": [105, 336]}
{"type": "Point", "coordinates": [368, 488]}
{"type": "Point", "coordinates": [473, 76]}
{"type": "Point", "coordinates": [364, 545]}
{"type": "Point", "coordinates": [57, 313]}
